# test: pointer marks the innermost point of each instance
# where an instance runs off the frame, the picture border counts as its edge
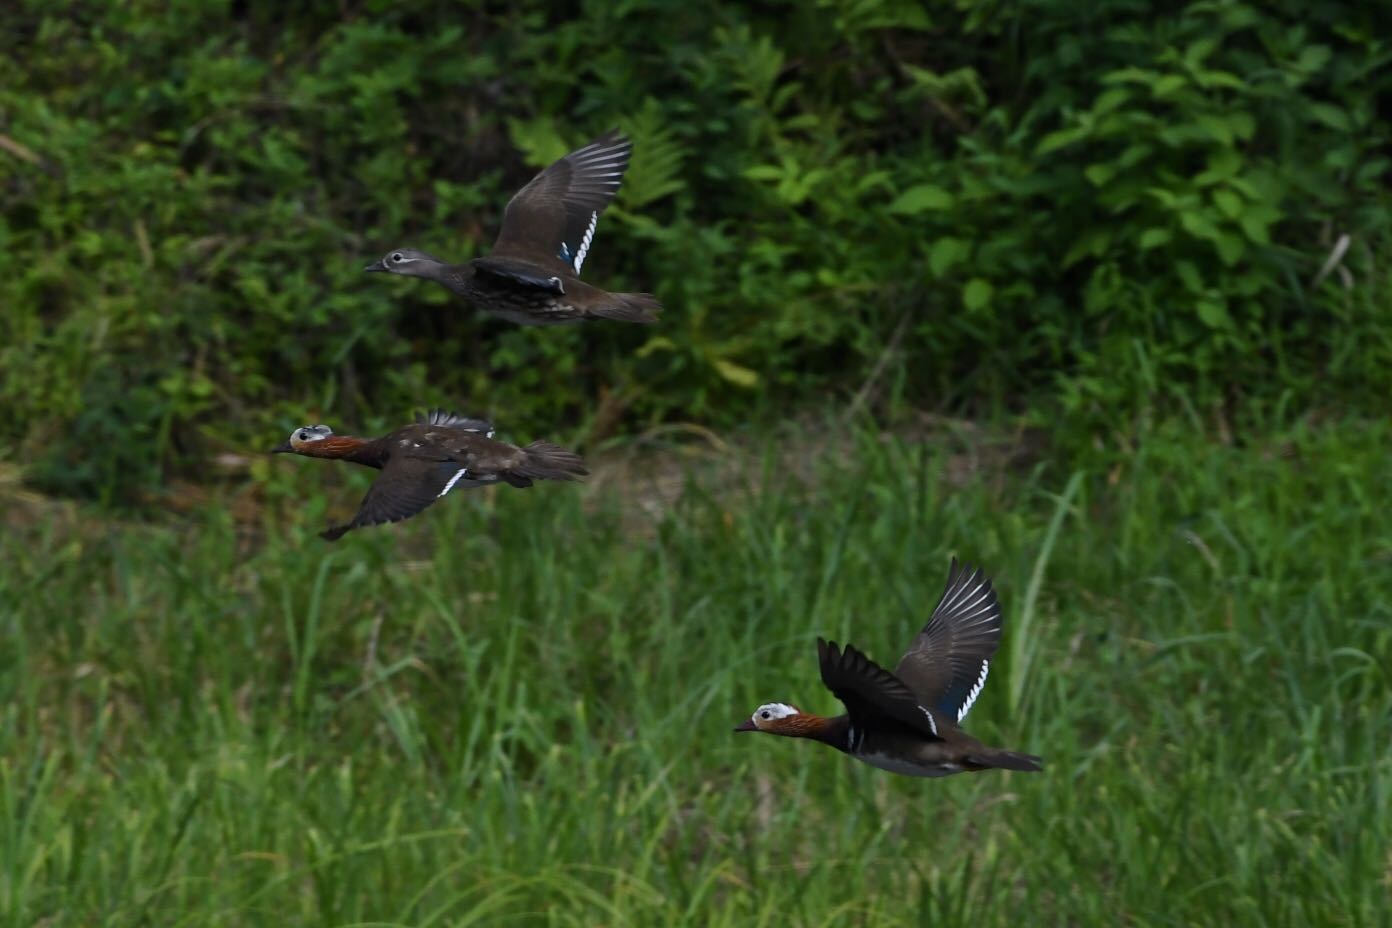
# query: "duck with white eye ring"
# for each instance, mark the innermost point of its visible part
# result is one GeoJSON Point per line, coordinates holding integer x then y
{"type": "Point", "coordinates": [908, 721]}
{"type": "Point", "coordinates": [441, 452]}
{"type": "Point", "coordinates": [532, 274]}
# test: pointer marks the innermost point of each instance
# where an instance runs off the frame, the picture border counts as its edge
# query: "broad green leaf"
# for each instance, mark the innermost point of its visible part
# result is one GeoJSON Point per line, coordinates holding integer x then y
{"type": "Point", "coordinates": [1216, 127]}
{"type": "Point", "coordinates": [1168, 85]}
{"type": "Point", "coordinates": [921, 198]}
{"type": "Point", "coordinates": [1198, 225]}
{"type": "Point", "coordinates": [1230, 248]}
{"type": "Point", "coordinates": [1210, 79]}
{"type": "Point", "coordinates": [1189, 274]}
{"type": "Point", "coordinates": [946, 253]}
{"type": "Point", "coordinates": [764, 172]}
{"type": "Point", "coordinates": [1110, 99]}
{"type": "Point", "coordinates": [1313, 58]}
{"type": "Point", "coordinates": [977, 294]}
{"type": "Point", "coordinates": [1331, 115]}
{"type": "Point", "coordinates": [1099, 174]}
{"type": "Point", "coordinates": [1213, 313]}
{"type": "Point", "coordinates": [1229, 203]}
{"type": "Point", "coordinates": [1255, 228]}
{"type": "Point", "coordinates": [1130, 75]}
{"type": "Point", "coordinates": [1060, 138]}
{"type": "Point", "coordinates": [1154, 238]}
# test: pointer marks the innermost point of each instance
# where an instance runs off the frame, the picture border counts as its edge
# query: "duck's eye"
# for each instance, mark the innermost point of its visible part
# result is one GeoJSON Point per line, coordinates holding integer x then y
{"type": "Point", "coordinates": [398, 257]}
{"type": "Point", "coordinates": [304, 435]}
{"type": "Point", "coordinates": [766, 714]}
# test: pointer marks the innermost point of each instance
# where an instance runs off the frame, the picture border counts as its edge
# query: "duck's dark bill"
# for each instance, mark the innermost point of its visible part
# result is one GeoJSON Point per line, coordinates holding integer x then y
{"type": "Point", "coordinates": [376, 266]}
{"type": "Point", "coordinates": [282, 448]}
{"type": "Point", "coordinates": [747, 725]}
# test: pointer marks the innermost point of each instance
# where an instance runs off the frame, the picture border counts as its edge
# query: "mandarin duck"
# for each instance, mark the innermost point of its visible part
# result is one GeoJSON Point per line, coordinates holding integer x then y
{"type": "Point", "coordinates": [438, 453]}
{"type": "Point", "coordinates": [532, 276]}
{"type": "Point", "coordinates": [908, 721]}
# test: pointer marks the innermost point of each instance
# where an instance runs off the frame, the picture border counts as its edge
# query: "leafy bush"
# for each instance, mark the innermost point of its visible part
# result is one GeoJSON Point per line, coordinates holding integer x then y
{"type": "Point", "coordinates": [1092, 212]}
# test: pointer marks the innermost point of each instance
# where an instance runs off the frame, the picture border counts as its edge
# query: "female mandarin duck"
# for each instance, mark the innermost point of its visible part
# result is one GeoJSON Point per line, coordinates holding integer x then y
{"type": "Point", "coordinates": [532, 276]}
{"type": "Point", "coordinates": [906, 721]}
{"type": "Point", "coordinates": [424, 461]}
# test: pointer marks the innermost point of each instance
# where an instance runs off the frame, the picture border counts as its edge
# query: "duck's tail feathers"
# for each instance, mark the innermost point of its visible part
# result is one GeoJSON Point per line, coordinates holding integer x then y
{"type": "Point", "coordinates": [546, 461]}
{"type": "Point", "coordinates": [1007, 760]}
{"type": "Point", "coordinates": [642, 308]}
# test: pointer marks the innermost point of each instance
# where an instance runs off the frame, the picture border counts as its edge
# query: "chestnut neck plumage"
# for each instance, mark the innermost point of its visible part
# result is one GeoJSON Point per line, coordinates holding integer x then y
{"type": "Point", "coordinates": [367, 452]}
{"type": "Point", "coordinates": [830, 731]}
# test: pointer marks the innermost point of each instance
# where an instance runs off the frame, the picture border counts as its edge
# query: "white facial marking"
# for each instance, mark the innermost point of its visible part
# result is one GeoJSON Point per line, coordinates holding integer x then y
{"type": "Point", "coordinates": [771, 712]}
{"type": "Point", "coordinates": [308, 433]}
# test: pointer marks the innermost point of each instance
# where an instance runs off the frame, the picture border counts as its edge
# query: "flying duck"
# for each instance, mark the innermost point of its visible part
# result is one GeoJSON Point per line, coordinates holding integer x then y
{"type": "Point", "coordinates": [532, 276]}
{"type": "Point", "coordinates": [907, 721]}
{"type": "Point", "coordinates": [438, 453]}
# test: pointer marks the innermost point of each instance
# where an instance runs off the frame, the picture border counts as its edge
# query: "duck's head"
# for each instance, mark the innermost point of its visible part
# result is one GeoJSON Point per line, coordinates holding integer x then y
{"type": "Point", "coordinates": [775, 718]}
{"type": "Point", "coordinates": [407, 261]}
{"type": "Point", "coordinates": [302, 436]}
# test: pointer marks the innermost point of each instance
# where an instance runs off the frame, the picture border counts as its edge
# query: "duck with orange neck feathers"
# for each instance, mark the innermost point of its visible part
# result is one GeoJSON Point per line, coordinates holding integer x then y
{"type": "Point", "coordinates": [908, 721]}
{"type": "Point", "coordinates": [439, 453]}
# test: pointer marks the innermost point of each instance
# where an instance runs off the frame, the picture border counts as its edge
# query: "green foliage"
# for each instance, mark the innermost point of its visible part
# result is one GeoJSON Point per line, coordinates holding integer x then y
{"type": "Point", "coordinates": [1094, 212]}
{"type": "Point", "coordinates": [506, 713]}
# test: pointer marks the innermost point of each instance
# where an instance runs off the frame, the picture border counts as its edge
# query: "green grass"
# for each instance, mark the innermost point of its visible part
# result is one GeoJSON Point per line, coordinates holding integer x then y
{"type": "Point", "coordinates": [518, 708]}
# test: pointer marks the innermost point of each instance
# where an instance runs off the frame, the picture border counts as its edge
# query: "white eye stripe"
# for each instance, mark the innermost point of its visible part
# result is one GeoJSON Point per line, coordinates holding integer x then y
{"type": "Point", "coordinates": [774, 710]}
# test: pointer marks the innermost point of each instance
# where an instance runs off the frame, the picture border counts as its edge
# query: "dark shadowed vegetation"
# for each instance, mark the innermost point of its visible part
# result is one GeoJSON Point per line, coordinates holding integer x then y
{"type": "Point", "coordinates": [1080, 212]}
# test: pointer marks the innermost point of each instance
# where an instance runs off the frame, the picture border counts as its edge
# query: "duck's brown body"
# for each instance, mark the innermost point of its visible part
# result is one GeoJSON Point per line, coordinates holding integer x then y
{"type": "Point", "coordinates": [440, 453]}
{"type": "Point", "coordinates": [538, 295]}
{"type": "Point", "coordinates": [907, 722]}
{"type": "Point", "coordinates": [906, 751]}
{"type": "Point", "coordinates": [532, 276]}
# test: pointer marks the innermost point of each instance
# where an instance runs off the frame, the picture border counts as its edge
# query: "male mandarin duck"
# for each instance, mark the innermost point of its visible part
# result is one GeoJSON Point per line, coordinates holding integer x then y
{"type": "Point", "coordinates": [440, 452]}
{"type": "Point", "coordinates": [532, 276]}
{"type": "Point", "coordinates": [907, 721]}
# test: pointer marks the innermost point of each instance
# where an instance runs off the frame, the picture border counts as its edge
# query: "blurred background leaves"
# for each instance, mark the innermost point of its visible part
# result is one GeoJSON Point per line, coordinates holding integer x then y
{"type": "Point", "coordinates": [1086, 216]}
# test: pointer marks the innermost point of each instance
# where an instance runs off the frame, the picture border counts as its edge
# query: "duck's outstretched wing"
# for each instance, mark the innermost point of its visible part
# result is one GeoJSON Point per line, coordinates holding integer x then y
{"type": "Point", "coordinates": [873, 696]}
{"type": "Point", "coordinates": [947, 663]}
{"type": "Point", "coordinates": [407, 486]}
{"type": "Point", "coordinates": [550, 223]}
{"type": "Point", "coordinates": [453, 420]}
